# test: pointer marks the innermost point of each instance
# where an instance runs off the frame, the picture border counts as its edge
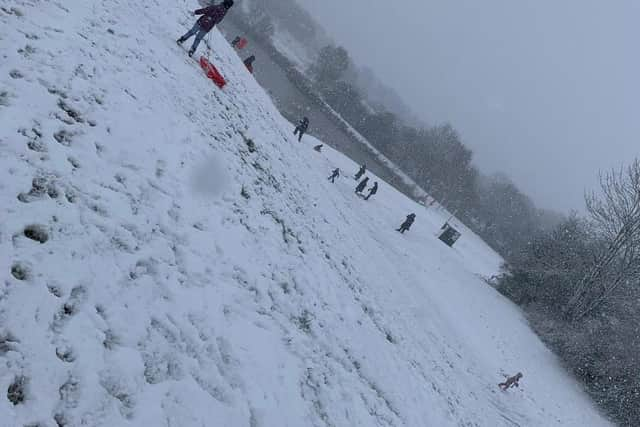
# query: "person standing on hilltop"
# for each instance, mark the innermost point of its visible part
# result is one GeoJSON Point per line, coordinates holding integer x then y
{"type": "Point", "coordinates": [211, 16]}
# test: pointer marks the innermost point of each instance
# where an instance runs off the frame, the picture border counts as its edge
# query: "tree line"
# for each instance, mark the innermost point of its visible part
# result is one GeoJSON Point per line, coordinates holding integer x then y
{"type": "Point", "coordinates": [436, 158]}
{"type": "Point", "coordinates": [579, 285]}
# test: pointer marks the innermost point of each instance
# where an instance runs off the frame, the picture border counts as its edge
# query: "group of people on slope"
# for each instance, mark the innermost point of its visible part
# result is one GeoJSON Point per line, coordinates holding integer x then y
{"type": "Point", "coordinates": [362, 185]}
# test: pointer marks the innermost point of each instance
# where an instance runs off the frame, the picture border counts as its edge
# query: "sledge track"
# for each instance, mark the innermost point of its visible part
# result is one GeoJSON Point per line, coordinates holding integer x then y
{"type": "Point", "coordinates": [141, 287]}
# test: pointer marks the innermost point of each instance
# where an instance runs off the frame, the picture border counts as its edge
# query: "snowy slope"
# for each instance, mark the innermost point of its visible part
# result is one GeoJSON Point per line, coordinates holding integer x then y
{"type": "Point", "coordinates": [171, 256]}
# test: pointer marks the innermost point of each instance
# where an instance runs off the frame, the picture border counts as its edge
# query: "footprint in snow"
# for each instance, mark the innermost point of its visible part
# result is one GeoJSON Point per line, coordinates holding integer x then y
{"type": "Point", "coordinates": [69, 308]}
{"type": "Point", "coordinates": [21, 271]}
{"type": "Point", "coordinates": [40, 186]}
{"type": "Point", "coordinates": [36, 233]}
{"type": "Point", "coordinates": [65, 353]}
{"type": "Point", "coordinates": [63, 137]}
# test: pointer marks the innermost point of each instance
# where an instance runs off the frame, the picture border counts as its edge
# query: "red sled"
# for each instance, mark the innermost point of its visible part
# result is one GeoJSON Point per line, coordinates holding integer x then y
{"type": "Point", "coordinates": [242, 43]}
{"type": "Point", "coordinates": [212, 72]}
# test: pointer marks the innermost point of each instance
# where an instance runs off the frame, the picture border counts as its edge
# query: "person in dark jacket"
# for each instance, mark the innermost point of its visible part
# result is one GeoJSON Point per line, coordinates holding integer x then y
{"type": "Point", "coordinates": [302, 127]}
{"type": "Point", "coordinates": [361, 171]}
{"type": "Point", "coordinates": [211, 16]}
{"type": "Point", "coordinates": [363, 184]}
{"type": "Point", "coordinates": [334, 175]}
{"type": "Point", "coordinates": [373, 190]}
{"type": "Point", "coordinates": [406, 225]}
{"type": "Point", "coordinates": [511, 382]}
{"type": "Point", "coordinates": [318, 148]}
{"type": "Point", "coordinates": [235, 41]}
{"type": "Point", "coordinates": [249, 63]}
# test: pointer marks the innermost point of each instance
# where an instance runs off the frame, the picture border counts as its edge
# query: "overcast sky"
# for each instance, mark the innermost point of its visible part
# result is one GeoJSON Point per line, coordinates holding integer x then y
{"type": "Point", "coordinates": [546, 91]}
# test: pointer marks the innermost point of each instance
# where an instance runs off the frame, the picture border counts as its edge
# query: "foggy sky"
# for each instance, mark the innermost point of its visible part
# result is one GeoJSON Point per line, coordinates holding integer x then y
{"type": "Point", "coordinates": [546, 91]}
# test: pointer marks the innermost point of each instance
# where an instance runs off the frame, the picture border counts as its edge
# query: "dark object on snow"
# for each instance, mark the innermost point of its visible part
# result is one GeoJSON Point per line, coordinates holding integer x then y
{"type": "Point", "coordinates": [373, 190]}
{"type": "Point", "coordinates": [211, 16]}
{"type": "Point", "coordinates": [362, 185]}
{"type": "Point", "coordinates": [249, 63]}
{"type": "Point", "coordinates": [302, 127]}
{"type": "Point", "coordinates": [449, 234]}
{"type": "Point", "coordinates": [212, 72]}
{"type": "Point", "coordinates": [15, 392]}
{"type": "Point", "coordinates": [318, 148]}
{"type": "Point", "coordinates": [361, 171]}
{"type": "Point", "coordinates": [334, 175]}
{"type": "Point", "coordinates": [511, 382]}
{"type": "Point", "coordinates": [406, 225]}
{"type": "Point", "coordinates": [239, 42]}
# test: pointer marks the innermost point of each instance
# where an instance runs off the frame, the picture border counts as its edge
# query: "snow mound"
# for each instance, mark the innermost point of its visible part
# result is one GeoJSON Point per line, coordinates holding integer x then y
{"type": "Point", "coordinates": [171, 256]}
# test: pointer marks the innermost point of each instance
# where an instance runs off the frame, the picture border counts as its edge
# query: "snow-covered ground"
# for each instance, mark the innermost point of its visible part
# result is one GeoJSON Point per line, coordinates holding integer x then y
{"type": "Point", "coordinates": [171, 256]}
{"type": "Point", "coordinates": [298, 54]}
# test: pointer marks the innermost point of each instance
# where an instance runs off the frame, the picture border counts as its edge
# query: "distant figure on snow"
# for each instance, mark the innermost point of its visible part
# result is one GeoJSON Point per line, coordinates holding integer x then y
{"type": "Point", "coordinates": [318, 148]}
{"type": "Point", "coordinates": [249, 63]}
{"type": "Point", "coordinates": [334, 175]}
{"type": "Point", "coordinates": [363, 184]}
{"type": "Point", "coordinates": [373, 190]}
{"type": "Point", "coordinates": [302, 127]}
{"type": "Point", "coordinates": [239, 42]}
{"type": "Point", "coordinates": [406, 225]}
{"type": "Point", "coordinates": [211, 16]}
{"type": "Point", "coordinates": [361, 171]}
{"type": "Point", "coordinates": [511, 382]}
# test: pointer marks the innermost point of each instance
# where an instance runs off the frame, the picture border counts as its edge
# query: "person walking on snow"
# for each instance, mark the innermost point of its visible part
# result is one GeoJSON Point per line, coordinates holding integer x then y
{"type": "Point", "coordinates": [211, 16]}
{"type": "Point", "coordinates": [511, 382]}
{"type": "Point", "coordinates": [302, 127]}
{"type": "Point", "coordinates": [249, 63]}
{"type": "Point", "coordinates": [373, 190]}
{"type": "Point", "coordinates": [363, 184]}
{"type": "Point", "coordinates": [361, 171]}
{"type": "Point", "coordinates": [406, 225]}
{"type": "Point", "coordinates": [334, 175]}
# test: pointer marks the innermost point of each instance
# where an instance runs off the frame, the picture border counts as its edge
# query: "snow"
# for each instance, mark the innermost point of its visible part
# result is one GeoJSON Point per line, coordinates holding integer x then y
{"type": "Point", "coordinates": [193, 266]}
{"type": "Point", "coordinates": [296, 52]}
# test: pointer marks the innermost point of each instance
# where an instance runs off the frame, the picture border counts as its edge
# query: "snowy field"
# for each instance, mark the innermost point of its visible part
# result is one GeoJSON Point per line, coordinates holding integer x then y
{"type": "Point", "coordinates": [171, 256]}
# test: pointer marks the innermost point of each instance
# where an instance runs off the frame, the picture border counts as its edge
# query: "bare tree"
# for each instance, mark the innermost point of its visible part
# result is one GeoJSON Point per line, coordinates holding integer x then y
{"type": "Point", "coordinates": [615, 212]}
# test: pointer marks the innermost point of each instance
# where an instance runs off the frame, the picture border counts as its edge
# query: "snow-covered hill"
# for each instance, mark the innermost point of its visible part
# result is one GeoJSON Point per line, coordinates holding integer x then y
{"type": "Point", "coordinates": [171, 256]}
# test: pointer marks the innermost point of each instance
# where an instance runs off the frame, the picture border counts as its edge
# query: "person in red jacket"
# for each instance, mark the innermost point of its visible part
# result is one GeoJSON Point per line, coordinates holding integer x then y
{"type": "Point", "coordinates": [211, 16]}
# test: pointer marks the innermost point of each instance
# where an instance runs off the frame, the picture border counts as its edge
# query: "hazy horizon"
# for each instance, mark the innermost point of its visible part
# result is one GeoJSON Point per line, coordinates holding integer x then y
{"type": "Point", "coordinates": [543, 92]}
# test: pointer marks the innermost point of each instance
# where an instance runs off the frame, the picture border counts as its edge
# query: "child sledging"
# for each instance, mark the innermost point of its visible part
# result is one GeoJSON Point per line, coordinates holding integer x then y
{"type": "Point", "coordinates": [211, 16]}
